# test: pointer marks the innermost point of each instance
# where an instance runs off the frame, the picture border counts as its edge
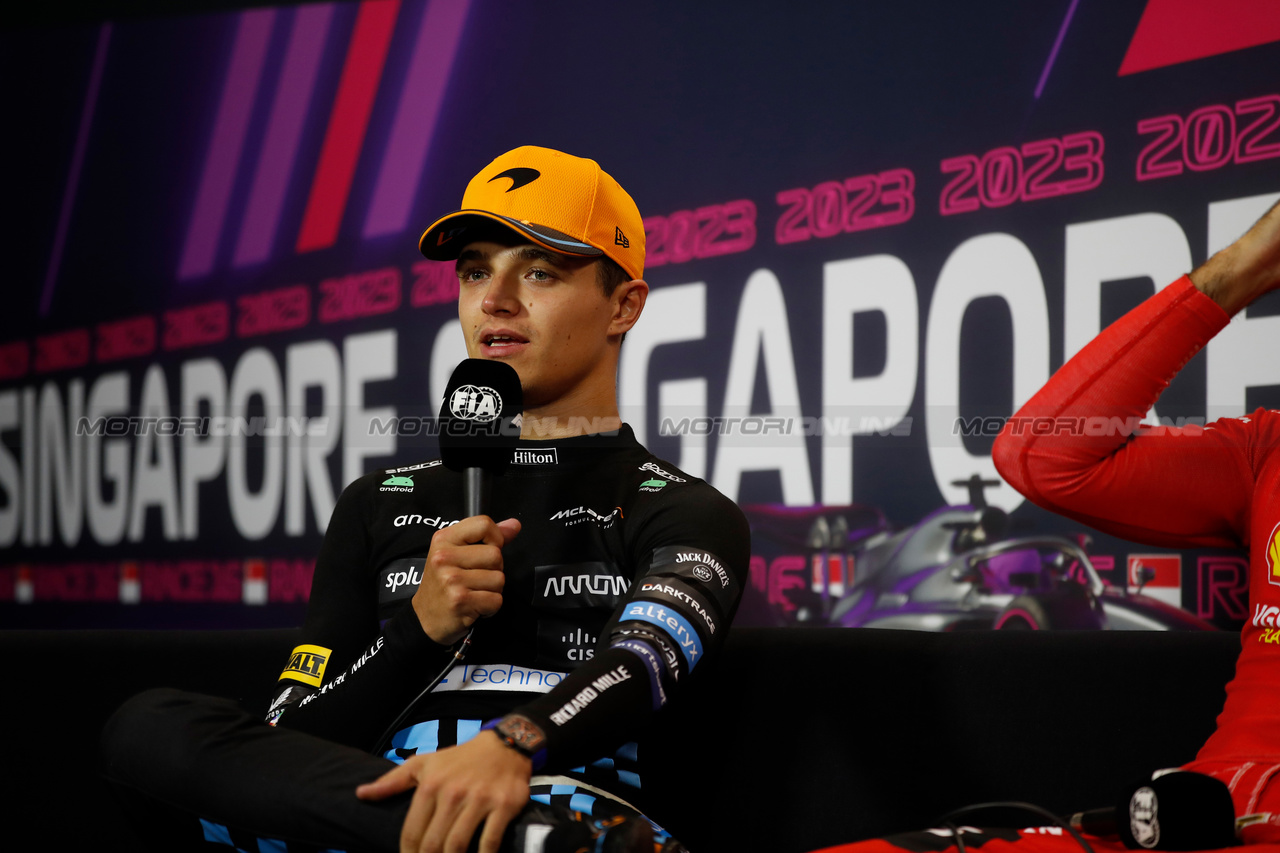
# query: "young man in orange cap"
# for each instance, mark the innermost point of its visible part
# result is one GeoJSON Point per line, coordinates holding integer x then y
{"type": "Point", "coordinates": [611, 575]}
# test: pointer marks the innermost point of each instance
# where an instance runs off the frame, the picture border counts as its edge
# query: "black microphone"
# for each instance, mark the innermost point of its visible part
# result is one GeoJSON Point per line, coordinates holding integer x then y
{"type": "Point", "coordinates": [479, 425]}
{"type": "Point", "coordinates": [1175, 810]}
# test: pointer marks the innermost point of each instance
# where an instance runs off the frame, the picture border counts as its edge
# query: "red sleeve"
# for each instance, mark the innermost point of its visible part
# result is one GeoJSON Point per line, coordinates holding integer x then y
{"type": "Point", "coordinates": [1073, 448]}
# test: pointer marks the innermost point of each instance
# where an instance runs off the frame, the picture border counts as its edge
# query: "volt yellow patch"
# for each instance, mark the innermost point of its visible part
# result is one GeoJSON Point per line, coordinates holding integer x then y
{"type": "Point", "coordinates": [306, 664]}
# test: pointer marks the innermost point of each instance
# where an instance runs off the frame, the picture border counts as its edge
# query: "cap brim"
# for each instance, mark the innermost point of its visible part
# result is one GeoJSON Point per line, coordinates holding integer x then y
{"type": "Point", "coordinates": [445, 238]}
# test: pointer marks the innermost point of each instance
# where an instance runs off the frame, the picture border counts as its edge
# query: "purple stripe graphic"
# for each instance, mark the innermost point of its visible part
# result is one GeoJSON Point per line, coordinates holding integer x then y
{"type": "Point", "coordinates": [1053, 54]}
{"type": "Point", "coordinates": [229, 129]}
{"type": "Point", "coordinates": [77, 163]}
{"type": "Point", "coordinates": [425, 83]}
{"type": "Point", "coordinates": [284, 132]}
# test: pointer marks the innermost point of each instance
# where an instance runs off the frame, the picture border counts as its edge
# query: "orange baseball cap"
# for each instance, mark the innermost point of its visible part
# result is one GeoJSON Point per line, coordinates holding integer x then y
{"type": "Point", "coordinates": [560, 202]}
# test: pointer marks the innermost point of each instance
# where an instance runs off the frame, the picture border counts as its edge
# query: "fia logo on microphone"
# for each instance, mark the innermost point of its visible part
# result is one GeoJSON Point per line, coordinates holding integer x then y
{"type": "Point", "coordinates": [1144, 821]}
{"type": "Point", "coordinates": [475, 403]}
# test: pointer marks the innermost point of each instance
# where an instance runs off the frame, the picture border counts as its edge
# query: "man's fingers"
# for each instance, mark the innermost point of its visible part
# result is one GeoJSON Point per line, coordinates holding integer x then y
{"type": "Point", "coordinates": [422, 810]}
{"type": "Point", "coordinates": [393, 781]}
{"type": "Point", "coordinates": [482, 580]}
{"type": "Point", "coordinates": [464, 826]}
{"type": "Point", "coordinates": [478, 556]}
{"type": "Point", "coordinates": [485, 603]}
{"type": "Point", "coordinates": [477, 529]}
{"type": "Point", "coordinates": [500, 533]}
{"type": "Point", "coordinates": [465, 559]}
{"type": "Point", "coordinates": [495, 825]}
{"type": "Point", "coordinates": [468, 531]}
{"type": "Point", "coordinates": [446, 804]}
{"type": "Point", "coordinates": [510, 529]}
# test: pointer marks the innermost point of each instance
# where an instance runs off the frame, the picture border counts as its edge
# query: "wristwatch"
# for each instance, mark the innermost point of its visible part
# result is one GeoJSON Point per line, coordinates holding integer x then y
{"type": "Point", "coordinates": [521, 734]}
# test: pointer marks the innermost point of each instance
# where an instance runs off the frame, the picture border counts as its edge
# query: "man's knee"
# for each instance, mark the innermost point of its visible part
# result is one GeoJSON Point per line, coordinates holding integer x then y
{"type": "Point", "coordinates": [156, 729]}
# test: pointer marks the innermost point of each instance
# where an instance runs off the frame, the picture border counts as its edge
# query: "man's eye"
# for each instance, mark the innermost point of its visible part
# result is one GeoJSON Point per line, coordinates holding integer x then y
{"type": "Point", "coordinates": [539, 275]}
{"type": "Point", "coordinates": [471, 275]}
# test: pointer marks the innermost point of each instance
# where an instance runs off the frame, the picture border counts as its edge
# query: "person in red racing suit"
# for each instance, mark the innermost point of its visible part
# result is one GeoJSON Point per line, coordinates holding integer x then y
{"type": "Point", "coordinates": [1072, 449]}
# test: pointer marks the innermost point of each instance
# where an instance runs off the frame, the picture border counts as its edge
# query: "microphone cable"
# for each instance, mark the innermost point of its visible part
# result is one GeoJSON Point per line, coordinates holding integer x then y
{"type": "Point", "coordinates": [459, 654]}
{"type": "Point", "coordinates": [947, 821]}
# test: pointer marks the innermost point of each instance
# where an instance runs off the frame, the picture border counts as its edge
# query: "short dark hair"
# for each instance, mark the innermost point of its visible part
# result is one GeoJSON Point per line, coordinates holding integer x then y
{"type": "Point", "coordinates": [609, 274]}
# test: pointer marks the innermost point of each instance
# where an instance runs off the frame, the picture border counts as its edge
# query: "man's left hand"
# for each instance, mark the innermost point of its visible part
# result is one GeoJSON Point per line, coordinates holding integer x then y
{"type": "Point", "coordinates": [457, 788]}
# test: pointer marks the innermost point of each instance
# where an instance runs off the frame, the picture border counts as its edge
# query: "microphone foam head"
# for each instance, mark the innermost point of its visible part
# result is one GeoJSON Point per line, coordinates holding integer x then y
{"type": "Point", "coordinates": [481, 415]}
{"type": "Point", "coordinates": [1179, 810]}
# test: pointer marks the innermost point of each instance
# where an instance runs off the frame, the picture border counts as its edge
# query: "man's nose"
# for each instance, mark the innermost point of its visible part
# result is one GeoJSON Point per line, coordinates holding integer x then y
{"type": "Point", "coordinates": [502, 295]}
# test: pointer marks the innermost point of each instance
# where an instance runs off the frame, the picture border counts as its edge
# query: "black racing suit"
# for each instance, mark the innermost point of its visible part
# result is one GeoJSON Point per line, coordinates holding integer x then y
{"type": "Point", "coordinates": [623, 579]}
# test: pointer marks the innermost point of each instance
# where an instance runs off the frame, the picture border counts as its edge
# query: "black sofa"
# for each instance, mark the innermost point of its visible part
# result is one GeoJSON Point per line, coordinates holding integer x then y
{"type": "Point", "coordinates": [801, 738]}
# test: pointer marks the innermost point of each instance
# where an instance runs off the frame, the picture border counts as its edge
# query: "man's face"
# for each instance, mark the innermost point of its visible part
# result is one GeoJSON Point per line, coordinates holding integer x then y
{"type": "Point", "coordinates": [541, 312]}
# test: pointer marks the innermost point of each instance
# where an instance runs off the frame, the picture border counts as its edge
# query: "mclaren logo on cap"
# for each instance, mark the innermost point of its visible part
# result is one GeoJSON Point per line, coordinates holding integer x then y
{"type": "Point", "coordinates": [520, 176]}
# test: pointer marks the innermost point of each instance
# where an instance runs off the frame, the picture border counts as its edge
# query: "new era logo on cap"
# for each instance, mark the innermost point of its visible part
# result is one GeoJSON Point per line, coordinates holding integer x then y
{"type": "Point", "coordinates": [567, 204]}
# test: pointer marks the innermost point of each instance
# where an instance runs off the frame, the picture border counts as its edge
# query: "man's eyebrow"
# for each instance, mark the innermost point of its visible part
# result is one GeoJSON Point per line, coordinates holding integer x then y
{"type": "Point", "coordinates": [526, 252]}
{"type": "Point", "coordinates": [534, 253]}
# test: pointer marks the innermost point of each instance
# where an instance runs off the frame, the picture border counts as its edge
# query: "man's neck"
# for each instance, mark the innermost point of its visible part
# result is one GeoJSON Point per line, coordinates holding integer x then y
{"type": "Point", "coordinates": [559, 421]}
{"type": "Point", "coordinates": [540, 427]}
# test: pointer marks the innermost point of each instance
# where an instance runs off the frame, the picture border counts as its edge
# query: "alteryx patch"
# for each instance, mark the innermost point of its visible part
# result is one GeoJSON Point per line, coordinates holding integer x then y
{"type": "Point", "coordinates": [672, 623]}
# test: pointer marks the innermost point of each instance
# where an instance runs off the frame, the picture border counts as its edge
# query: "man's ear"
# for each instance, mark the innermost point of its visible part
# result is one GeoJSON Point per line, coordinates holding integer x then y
{"type": "Point", "coordinates": [628, 303]}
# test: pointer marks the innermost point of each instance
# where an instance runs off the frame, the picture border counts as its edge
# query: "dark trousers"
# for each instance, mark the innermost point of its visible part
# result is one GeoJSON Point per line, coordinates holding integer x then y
{"type": "Point", "coordinates": [175, 756]}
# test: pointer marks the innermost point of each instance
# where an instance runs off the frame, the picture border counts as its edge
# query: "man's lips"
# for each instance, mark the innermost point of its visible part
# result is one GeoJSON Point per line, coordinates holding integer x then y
{"type": "Point", "coordinates": [502, 341]}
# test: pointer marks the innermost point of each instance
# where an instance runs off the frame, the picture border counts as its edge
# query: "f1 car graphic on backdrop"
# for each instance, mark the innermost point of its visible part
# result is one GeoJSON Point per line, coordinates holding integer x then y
{"type": "Point", "coordinates": [954, 570]}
